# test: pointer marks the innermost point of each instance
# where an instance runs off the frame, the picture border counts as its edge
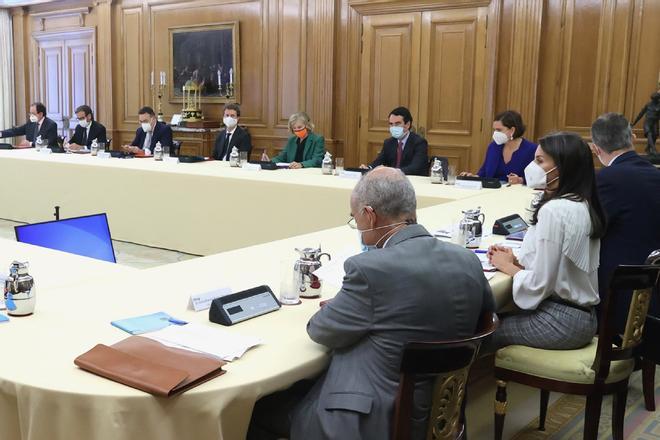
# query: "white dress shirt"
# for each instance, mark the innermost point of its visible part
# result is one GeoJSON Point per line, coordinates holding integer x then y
{"type": "Point", "coordinates": [559, 257]}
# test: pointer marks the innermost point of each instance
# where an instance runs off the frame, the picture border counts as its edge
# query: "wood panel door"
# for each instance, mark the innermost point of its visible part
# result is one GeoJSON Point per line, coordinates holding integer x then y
{"type": "Point", "coordinates": [390, 75]}
{"type": "Point", "coordinates": [432, 62]}
{"type": "Point", "coordinates": [452, 85]}
{"type": "Point", "coordinates": [65, 74]}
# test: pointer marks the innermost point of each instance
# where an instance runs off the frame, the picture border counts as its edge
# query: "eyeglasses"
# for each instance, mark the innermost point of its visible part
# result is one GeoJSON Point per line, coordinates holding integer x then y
{"type": "Point", "coordinates": [352, 223]}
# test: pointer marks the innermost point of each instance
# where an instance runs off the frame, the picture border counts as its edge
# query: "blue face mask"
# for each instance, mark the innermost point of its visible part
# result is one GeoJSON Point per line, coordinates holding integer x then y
{"type": "Point", "coordinates": [396, 132]}
{"type": "Point", "coordinates": [365, 247]}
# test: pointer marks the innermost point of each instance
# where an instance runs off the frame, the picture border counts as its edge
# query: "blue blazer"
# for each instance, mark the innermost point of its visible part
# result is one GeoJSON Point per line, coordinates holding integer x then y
{"type": "Point", "coordinates": [415, 159]}
{"type": "Point", "coordinates": [494, 165]}
{"type": "Point", "coordinates": [48, 132]}
{"type": "Point", "coordinates": [162, 132]}
{"type": "Point", "coordinates": [629, 191]}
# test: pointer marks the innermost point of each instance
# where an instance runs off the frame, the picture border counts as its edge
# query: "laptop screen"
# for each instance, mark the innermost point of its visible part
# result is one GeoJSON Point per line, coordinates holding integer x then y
{"type": "Point", "coordinates": [88, 236]}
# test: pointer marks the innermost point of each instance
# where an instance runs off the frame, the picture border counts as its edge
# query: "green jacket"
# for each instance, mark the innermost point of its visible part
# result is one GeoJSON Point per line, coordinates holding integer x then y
{"type": "Point", "coordinates": [312, 155]}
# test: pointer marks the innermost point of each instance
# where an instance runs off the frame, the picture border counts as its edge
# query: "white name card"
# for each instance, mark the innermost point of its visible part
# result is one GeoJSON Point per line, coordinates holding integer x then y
{"type": "Point", "coordinates": [356, 175]}
{"type": "Point", "coordinates": [202, 301]}
{"type": "Point", "coordinates": [45, 150]}
{"type": "Point", "coordinates": [103, 155]}
{"type": "Point", "coordinates": [168, 159]}
{"type": "Point", "coordinates": [252, 167]}
{"type": "Point", "coordinates": [468, 184]}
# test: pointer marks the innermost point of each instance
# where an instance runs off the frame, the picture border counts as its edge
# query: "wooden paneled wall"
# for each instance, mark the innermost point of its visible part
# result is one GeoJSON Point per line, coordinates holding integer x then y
{"type": "Point", "coordinates": [454, 63]}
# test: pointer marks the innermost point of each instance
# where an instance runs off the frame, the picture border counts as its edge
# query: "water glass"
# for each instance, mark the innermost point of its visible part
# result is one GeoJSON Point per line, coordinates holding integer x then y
{"type": "Point", "coordinates": [289, 293]}
{"type": "Point", "coordinates": [166, 151]}
{"type": "Point", "coordinates": [339, 165]}
{"type": "Point", "coordinates": [243, 157]}
{"type": "Point", "coordinates": [451, 175]}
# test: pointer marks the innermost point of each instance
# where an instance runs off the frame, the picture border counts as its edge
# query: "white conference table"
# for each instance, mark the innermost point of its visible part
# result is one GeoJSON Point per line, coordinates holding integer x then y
{"type": "Point", "coordinates": [44, 396]}
{"type": "Point", "coordinates": [200, 208]}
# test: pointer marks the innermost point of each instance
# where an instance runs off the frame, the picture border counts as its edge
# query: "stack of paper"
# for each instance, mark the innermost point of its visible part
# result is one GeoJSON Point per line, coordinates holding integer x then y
{"type": "Point", "coordinates": [215, 341]}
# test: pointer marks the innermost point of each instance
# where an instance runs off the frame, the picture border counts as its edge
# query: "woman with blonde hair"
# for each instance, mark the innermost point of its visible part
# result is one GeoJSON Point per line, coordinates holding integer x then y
{"type": "Point", "coordinates": [305, 149]}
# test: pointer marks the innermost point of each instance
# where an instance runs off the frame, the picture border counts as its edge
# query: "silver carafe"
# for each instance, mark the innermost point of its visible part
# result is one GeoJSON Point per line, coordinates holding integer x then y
{"type": "Point", "coordinates": [470, 229]}
{"type": "Point", "coordinates": [308, 284]}
{"type": "Point", "coordinates": [19, 291]}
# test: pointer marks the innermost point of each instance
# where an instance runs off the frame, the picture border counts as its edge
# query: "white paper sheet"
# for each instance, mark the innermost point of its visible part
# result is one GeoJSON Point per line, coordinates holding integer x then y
{"type": "Point", "coordinates": [215, 341]}
{"type": "Point", "coordinates": [332, 272]}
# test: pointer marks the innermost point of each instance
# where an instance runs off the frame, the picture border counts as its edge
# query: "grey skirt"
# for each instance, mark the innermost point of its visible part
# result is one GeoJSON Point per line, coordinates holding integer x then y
{"type": "Point", "coordinates": [552, 326]}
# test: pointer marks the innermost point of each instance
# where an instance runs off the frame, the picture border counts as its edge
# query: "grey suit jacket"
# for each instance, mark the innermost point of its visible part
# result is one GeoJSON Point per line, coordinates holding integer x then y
{"type": "Point", "coordinates": [416, 288]}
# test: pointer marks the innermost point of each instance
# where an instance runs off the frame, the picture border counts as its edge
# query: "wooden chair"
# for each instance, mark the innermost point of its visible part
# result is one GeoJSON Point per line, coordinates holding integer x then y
{"type": "Point", "coordinates": [599, 368]}
{"type": "Point", "coordinates": [175, 148]}
{"type": "Point", "coordinates": [450, 361]}
{"type": "Point", "coordinates": [649, 352]}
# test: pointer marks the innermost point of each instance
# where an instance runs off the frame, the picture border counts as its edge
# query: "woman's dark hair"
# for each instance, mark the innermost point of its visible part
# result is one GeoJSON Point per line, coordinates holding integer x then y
{"type": "Point", "coordinates": [512, 119]}
{"type": "Point", "coordinates": [577, 178]}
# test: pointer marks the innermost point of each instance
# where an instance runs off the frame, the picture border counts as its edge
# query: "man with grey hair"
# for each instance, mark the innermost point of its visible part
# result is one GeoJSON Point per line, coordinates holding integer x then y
{"type": "Point", "coordinates": [629, 190]}
{"type": "Point", "coordinates": [408, 287]}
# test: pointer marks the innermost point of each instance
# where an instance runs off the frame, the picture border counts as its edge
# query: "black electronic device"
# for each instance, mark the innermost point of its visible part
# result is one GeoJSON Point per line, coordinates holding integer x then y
{"type": "Point", "coordinates": [265, 164]}
{"type": "Point", "coordinates": [122, 154]}
{"type": "Point", "coordinates": [357, 170]}
{"type": "Point", "coordinates": [509, 225]}
{"type": "Point", "coordinates": [191, 159]}
{"type": "Point", "coordinates": [241, 306]}
{"type": "Point", "coordinates": [490, 182]}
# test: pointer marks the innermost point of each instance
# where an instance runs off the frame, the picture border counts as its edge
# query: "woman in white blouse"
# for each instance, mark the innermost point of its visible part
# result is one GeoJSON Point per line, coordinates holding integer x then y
{"type": "Point", "coordinates": [555, 276]}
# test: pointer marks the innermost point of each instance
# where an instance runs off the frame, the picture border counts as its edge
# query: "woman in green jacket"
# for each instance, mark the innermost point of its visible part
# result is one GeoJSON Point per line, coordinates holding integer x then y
{"type": "Point", "coordinates": [304, 149]}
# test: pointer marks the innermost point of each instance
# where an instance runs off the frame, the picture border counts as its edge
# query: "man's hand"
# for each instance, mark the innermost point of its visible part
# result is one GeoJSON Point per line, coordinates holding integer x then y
{"type": "Point", "coordinates": [295, 165]}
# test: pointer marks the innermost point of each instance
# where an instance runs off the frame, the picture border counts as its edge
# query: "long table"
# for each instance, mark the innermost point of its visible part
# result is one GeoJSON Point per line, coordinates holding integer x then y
{"type": "Point", "coordinates": [44, 396]}
{"type": "Point", "coordinates": [199, 208]}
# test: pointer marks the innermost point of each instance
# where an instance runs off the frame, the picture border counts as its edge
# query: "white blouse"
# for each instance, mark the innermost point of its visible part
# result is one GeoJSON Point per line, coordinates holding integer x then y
{"type": "Point", "coordinates": [559, 257]}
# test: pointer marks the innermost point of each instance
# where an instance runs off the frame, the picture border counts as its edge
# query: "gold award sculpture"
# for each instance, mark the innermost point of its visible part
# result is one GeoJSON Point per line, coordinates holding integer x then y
{"type": "Point", "coordinates": [192, 108]}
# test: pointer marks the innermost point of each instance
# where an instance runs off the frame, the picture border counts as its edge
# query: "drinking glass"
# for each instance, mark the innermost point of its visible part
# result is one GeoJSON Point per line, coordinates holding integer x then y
{"type": "Point", "coordinates": [451, 175]}
{"type": "Point", "coordinates": [243, 157]}
{"type": "Point", "coordinates": [289, 293]}
{"type": "Point", "coordinates": [339, 165]}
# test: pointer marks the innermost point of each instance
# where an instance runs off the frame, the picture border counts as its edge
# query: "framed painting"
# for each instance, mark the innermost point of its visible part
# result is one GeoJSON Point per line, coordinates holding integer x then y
{"type": "Point", "coordinates": [209, 56]}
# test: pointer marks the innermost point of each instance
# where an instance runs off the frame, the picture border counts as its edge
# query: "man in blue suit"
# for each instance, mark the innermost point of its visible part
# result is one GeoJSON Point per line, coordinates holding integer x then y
{"type": "Point", "coordinates": [38, 125]}
{"type": "Point", "coordinates": [151, 132]}
{"type": "Point", "coordinates": [629, 190]}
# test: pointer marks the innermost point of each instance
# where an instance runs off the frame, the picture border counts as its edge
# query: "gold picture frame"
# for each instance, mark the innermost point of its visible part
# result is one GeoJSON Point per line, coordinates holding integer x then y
{"type": "Point", "coordinates": [209, 55]}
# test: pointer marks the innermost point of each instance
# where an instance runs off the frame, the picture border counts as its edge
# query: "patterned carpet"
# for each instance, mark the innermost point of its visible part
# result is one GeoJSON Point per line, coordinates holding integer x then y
{"type": "Point", "coordinates": [566, 416]}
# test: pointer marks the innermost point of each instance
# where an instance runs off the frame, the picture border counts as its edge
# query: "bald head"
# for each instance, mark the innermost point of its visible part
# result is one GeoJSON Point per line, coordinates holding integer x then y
{"type": "Point", "coordinates": [388, 191]}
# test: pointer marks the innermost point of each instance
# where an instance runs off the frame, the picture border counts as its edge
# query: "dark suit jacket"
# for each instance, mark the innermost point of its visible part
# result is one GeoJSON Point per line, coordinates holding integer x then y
{"type": "Point", "coordinates": [240, 139]}
{"type": "Point", "coordinates": [96, 131]}
{"type": "Point", "coordinates": [162, 133]}
{"type": "Point", "coordinates": [48, 132]}
{"type": "Point", "coordinates": [629, 191]}
{"type": "Point", "coordinates": [415, 158]}
{"type": "Point", "coordinates": [389, 296]}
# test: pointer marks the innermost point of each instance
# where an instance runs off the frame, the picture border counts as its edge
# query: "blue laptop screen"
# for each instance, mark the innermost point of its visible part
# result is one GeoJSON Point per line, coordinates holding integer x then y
{"type": "Point", "coordinates": [88, 236]}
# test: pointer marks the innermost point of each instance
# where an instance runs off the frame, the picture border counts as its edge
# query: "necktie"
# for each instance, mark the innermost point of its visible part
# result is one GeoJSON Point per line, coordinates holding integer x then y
{"type": "Point", "coordinates": [147, 141]}
{"type": "Point", "coordinates": [84, 137]}
{"type": "Point", "coordinates": [225, 147]}
{"type": "Point", "coordinates": [399, 154]}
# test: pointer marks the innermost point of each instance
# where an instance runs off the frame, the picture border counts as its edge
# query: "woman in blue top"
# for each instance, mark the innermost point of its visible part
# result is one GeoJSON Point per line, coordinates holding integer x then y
{"type": "Point", "coordinates": [509, 153]}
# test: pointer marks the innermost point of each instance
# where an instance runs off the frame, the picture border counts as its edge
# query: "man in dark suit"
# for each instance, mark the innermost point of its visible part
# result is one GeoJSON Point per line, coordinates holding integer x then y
{"type": "Point", "coordinates": [151, 132]}
{"type": "Point", "coordinates": [87, 129]}
{"type": "Point", "coordinates": [629, 190]}
{"type": "Point", "coordinates": [405, 150]}
{"type": "Point", "coordinates": [232, 135]}
{"type": "Point", "coordinates": [392, 294]}
{"type": "Point", "coordinates": [38, 125]}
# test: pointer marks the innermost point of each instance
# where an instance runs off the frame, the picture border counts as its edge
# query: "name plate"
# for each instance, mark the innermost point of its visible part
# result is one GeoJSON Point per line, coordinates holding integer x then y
{"type": "Point", "coordinates": [355, 175]}
{"type": "Point", "coordinates": [252, 166]}
{"type": "Point", "coordinates": [103, 155]}
{"type": "Point", "coordinates": [202, 301]}
{"type": "Point", "coordinates": [468, 184]}
{"type": "Point", "coordinates": [45, 151]}
{"type": "Point", "coordinates": [168, 159]}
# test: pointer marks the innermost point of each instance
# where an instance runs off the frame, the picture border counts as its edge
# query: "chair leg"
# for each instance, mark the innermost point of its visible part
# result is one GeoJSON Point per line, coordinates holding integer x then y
{"type": "Point", "coordinates": [500, 409]}
{"type": "Point", "coordinates": [648, 384]}
{"type": "Point", "coordinates": [592, 415]}
{"type": "Point", "coordinates": [619, 412]}
{"type": "Point", "coordinates": [545, 397]}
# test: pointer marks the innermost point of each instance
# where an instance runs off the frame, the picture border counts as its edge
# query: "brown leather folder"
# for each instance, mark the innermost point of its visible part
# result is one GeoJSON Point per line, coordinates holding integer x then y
{"type": "Point", "coordinates": [150, 366]}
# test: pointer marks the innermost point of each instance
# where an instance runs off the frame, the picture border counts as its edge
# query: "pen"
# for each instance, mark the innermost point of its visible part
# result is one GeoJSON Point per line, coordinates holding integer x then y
{"type": "Point", "coordinates": [177, 321]}
{"type": "Point", "coordinates": [481, 251]}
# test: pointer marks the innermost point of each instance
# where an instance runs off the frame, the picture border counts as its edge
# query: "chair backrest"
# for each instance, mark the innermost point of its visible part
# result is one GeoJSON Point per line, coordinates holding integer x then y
{"type": "Point", "coordinates": [641, 280]}
{"type": "Point", "coordinates": [450, 362]}
{"type": "Point", "coordinates": [108, 143]}
{"type": "Point", "coordinates": [445, 165]}
{"type": "Point", "coordinates": [4, 146]}
{"type": "Point", "coordinates": [176, 147]}
{"type": "Point", "coordinates": [650, 348]}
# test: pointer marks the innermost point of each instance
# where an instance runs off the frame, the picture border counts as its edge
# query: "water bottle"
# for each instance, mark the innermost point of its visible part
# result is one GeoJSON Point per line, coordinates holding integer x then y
{"type": "Point", "coordinates": [158, 151]}
{"type": "Point", "coordinates": [94, 148]}
{"type": "Point", "coordinates": [326, 165]}
{"type": "Point", "coordinates": [436, 171]}
{"type": "Point", "coordinates": [38, 143]}
{"type": "Point", "coordinates": [234, 157]}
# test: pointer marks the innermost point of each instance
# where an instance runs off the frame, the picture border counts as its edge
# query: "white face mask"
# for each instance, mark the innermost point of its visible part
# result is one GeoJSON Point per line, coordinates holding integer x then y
{"type": "Point", "coordinates": [396, 132]}
{"type": "Point", "coordinates": [33, 118]}
{"type": "Point", "coordinates": [229, 122]}
{"type": "Point", "coordinates": [536, 177]}
{"type": "Point", "coordinates": [83, 123]}
{"type": "Point", "coordinates": [500, 138]}
{"type": "Point", "coordinates": [369, 247]}
{"type": "Point", "coordinates": [146, 127]}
